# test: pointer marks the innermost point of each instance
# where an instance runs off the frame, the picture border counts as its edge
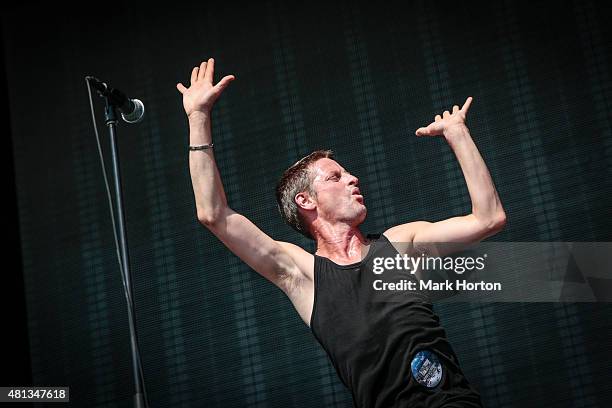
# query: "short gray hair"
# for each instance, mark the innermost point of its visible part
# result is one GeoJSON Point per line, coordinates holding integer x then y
{"type": "Point", "coordinates": [294, 180]}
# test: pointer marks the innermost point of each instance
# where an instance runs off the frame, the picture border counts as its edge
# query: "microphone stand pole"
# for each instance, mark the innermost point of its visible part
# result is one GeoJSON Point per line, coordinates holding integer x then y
{"type": "Point", "coordinates": [140, 400]}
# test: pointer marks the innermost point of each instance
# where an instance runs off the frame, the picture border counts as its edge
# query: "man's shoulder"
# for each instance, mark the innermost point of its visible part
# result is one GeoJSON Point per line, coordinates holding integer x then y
{"type": "Point", "coordinates": [404, 232]}
{"type": "Point", "coordinates": [303, 259]}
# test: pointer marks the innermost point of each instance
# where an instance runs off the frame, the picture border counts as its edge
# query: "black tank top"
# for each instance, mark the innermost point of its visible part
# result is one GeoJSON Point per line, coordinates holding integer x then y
{"type": "Point", "coordinates": [372, 343]}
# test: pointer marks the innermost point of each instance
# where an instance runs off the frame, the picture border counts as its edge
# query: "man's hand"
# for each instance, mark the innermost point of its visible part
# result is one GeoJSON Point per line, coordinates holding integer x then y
{"type": "Point", "coordinates": [449, 123]}
{"type": "Point", "coordinates": [487, 217]}
{"type": "Point", "coordinates": [201, 95]}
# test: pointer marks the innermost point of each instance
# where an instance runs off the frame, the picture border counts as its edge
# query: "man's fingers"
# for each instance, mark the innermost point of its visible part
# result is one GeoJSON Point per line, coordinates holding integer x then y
{"type": "Point", "coordinates": [438, 125]}
{"type": "Point", "coordinates": [210, 70]}
{"type": "Point", "coordinates": [194, 74]}
{"type": "Point", "coordinates": [466, 105]}
{"type": "Point", "coordinates": [202, 71]}
{"type": "Point", "coordinates": [181, 88]}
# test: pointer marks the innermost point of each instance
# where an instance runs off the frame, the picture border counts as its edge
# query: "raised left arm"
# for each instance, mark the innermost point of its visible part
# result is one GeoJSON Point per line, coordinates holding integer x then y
{"type": "Point", "coordinates": [487, 216]}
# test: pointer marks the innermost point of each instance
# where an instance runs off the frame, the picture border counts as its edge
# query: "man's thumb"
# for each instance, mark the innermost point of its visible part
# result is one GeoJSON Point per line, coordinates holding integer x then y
{"type": "Point", "coordinates": [421, 131]}
{"type": "Point", "coordinates": [224, 82]}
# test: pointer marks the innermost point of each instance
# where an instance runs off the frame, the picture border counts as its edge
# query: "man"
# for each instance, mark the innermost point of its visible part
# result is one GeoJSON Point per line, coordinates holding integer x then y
{"type": "Point", "coordinates": [389, 354]}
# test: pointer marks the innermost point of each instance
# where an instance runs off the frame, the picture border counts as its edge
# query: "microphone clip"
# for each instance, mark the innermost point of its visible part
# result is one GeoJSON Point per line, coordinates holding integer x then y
{"type": "Point", "coordinates": [132, 110]}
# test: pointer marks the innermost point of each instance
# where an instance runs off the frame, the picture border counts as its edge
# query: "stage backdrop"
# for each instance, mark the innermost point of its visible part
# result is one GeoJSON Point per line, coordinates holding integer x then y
{"type": "Point", "coordinates": [358, 79]}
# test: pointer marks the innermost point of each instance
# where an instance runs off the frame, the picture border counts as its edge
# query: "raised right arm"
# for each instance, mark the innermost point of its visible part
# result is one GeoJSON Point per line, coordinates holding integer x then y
{"type": "Point", "coordinates": [265, 255]}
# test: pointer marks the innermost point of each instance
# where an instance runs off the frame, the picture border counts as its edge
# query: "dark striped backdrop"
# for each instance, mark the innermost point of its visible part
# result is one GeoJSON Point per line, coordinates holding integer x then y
{"type": "Point", "coordinates": [358, 79]}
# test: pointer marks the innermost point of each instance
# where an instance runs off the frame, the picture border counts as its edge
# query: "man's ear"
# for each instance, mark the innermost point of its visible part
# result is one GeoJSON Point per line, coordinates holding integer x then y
{"type": "Point", "coordinates": [305, 201]}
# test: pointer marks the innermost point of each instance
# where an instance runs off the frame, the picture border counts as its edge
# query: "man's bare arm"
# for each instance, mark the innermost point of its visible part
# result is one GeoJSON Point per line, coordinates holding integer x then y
{"type": "Point", "coordinates": [265, 255]}
{"type": "Point", "coordinates": [487, 216]}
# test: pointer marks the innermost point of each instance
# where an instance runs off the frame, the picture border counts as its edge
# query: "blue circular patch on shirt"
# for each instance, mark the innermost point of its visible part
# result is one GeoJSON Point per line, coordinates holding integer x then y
{"type": "Point", "coordinates": [427, 369]}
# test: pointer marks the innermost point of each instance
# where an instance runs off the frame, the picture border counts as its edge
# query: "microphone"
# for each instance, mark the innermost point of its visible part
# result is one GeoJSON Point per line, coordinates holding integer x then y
{"type": "Point", "coordinates": [132, 110]}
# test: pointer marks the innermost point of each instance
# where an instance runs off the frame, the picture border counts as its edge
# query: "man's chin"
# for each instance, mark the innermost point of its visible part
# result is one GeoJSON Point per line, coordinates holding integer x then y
{"type": "Point", "coordinates": [362, 214]}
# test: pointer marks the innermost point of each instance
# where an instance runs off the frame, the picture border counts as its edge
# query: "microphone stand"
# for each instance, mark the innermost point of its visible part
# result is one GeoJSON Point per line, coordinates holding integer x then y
{"type": "Point", "coordinates": [140, 397]}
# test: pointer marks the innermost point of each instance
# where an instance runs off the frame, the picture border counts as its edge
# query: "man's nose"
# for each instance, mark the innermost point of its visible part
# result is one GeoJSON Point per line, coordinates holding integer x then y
{"type": "Point", "coordinates": [353, 180]}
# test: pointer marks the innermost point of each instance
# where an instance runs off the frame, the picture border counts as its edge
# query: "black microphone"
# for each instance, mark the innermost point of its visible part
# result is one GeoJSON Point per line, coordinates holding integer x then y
{"type": "Point", "coordinates": [132, 110]}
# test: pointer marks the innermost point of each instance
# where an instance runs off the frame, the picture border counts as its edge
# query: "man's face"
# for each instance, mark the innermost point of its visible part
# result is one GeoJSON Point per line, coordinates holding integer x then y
{"type": "Point", "coordinates": [337, 193]}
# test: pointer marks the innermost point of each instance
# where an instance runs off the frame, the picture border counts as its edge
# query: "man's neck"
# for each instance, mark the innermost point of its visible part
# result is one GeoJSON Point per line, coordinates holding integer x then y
{"type": "Point", "coordinates": [341, 243]}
